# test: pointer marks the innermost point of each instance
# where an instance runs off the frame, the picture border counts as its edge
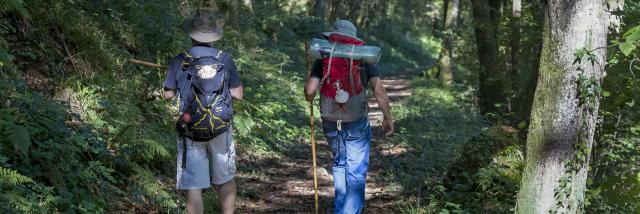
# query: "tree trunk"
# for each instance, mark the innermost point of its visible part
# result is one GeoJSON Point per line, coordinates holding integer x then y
{"type": "Point", "coordinates": [564, 115]}
{"type": "Point", "coordinates": [446, 55]}
{"type": "Point", "coordinates": [515, 44]}
{"type": "Point", "coordinates": [527, 91]}
{"type": "Point", "coordinates": [335, 11]}
{"type": "Point", "coordinates": [318, 9]}
{"type": "Point", "coordinates": [528, 64]}
{"type": "Point", "coordinates": [615, 20]}
{"type": "Point", "coordinates": [490, 87]}
{"type": "Point", "coordinates": [235, 13]}
{"type": "Point", "coordinates": [362, 13]}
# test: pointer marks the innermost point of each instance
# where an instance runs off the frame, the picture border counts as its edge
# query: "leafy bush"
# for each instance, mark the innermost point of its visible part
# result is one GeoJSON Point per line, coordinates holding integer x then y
{"type": "Point", "coordinates": [614, 177]}
{"type": "Point", "coordinates": [461, 163]}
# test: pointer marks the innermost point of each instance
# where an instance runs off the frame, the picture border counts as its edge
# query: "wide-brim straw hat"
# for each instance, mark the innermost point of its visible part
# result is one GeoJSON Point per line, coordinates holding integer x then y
{"type": "Point", "coordinates": [203, 27]}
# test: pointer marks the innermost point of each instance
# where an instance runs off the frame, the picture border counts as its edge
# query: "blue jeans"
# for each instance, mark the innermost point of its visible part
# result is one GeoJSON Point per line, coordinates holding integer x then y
{"type": "Point", "coordinates": [350, 148]}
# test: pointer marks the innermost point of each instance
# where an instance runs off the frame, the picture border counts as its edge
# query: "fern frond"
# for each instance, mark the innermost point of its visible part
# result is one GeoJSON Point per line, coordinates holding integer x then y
{"type": "Point", "coordinates": [19, 136]}
{"type": "Point", "coordinates": [149, 185]}
{"type": "Point", "coordinates": [13, 6]}
{"type": "Point", "coordinates": [10, 178]}
{"type": "Point", "coordinates": [152, 148]}
{"type": "Point", "coordinates": [14, 202]}
{"type": "Point", "coordinates": [243, 124]}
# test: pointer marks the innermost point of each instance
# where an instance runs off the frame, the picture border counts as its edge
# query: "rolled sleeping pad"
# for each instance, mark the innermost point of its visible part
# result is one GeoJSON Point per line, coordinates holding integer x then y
{"type": "Point", "coordinates": [321, 49]}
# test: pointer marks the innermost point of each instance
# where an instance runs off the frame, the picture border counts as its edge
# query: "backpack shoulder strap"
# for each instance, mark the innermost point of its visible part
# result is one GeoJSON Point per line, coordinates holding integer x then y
{"type": "Point", "coordinates": [333, 48]}
{"type": "Point", "coordinates": [220, 55]}
{"type": "Point", "coordinates": [187, 59]}
{"type": "Point", "coordinates": [353, 48]}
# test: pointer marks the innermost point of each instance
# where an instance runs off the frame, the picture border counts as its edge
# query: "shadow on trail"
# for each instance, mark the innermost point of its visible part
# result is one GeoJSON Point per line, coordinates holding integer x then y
{"type": "Point", "coordinates": [442, 155]}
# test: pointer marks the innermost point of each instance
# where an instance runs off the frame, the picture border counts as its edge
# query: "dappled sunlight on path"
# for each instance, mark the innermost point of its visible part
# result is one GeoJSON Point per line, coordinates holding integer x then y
{"type": "Point", "coordinates": [397, 89]}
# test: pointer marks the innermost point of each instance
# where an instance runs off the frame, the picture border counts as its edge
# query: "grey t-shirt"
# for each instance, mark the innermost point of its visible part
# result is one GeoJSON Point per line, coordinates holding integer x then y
{"type": "Point", "coordinates": [177, 78]}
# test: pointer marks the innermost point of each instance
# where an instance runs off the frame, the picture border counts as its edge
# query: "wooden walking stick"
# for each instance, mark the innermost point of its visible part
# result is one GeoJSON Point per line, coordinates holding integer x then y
{"type": "Point", "coordinates": [313, 141]}
{"type": "Point", "coordinates": [135, 61]}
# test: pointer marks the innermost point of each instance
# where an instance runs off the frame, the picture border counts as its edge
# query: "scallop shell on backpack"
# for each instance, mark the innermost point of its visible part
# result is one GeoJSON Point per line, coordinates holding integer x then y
{"type": "Point", "coordinates": [208, 71]}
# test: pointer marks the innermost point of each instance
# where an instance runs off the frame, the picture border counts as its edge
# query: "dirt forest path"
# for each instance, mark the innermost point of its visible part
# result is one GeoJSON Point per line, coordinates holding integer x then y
{"type": "Point", "coordinates": [285, 184]}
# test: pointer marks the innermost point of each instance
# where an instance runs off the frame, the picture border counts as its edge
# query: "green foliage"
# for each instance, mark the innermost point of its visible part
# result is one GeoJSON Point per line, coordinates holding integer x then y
{"type": "Point", "coordinates": [460, 162]}
{"type": "Point", "coordinates": [631, 38]}
{"type": "Point", "coordinates": [79, 150]}
{"type": "Point", "coordinates": [48, 151]}
{"type": "Point", "coordinates": [10, 178]}
{"type": "Point", "coordinates": [19, 136]}
{"type": "Point", "coordinates": [17, 6]}
{"type": "Point", "coordinates": [589, 91]}
{"type": "Point", "coordinates": [488, 172]}
{"type": "Point", "coordinates": [97, 139]}
{"type": "Point", "coordinates": [107, 144]}
{"type": "Point", "coordinates": [613, 185]}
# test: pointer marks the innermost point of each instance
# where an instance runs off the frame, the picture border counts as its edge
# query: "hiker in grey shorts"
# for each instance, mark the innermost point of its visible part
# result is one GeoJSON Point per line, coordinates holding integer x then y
{"type": "Point", "coordinates": [209, 158]}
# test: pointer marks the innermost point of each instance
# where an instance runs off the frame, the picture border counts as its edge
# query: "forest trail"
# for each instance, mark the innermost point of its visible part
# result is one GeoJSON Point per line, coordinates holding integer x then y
{"type": "Point", "coordinates": [285, 184]}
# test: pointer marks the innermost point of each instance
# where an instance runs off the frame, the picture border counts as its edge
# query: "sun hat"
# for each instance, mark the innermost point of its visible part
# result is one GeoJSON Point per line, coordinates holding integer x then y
{"type": "Point", "coordinates": [343, 27]}
{"type": "Point", "coordinates": [203, 27]}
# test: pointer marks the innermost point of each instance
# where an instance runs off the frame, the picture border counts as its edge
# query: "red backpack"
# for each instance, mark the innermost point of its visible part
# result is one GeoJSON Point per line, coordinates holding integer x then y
{"type": "Point", "coordinates": [343, 96]}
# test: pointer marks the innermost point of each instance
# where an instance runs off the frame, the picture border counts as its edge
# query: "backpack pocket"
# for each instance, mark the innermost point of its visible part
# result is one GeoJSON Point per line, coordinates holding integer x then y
{"type": "Point", "coordinates": [350, 111]}
{"type": "Point", "coordinates": [208, 121]}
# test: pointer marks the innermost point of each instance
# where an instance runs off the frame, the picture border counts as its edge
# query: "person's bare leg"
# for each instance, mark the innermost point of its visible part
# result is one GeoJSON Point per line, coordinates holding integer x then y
{"type": "Point", "coordinates": [194, 201]}
{"type": "Point", "coordinates": [227, 196]}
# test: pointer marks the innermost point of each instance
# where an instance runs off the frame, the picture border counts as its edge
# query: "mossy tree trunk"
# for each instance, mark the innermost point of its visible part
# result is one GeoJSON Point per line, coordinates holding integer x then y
{"type": "Point", "coordinates": [485, 24]}
{"type": "Point", "coordinates": [565, 108]}
{"type": "Point", "coordinates": [445, 60]}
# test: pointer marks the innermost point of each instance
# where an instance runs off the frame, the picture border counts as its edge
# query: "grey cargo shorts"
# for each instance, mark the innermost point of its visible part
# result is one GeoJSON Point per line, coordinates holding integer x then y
{"type": "Point", "coordinates": [208, 162]}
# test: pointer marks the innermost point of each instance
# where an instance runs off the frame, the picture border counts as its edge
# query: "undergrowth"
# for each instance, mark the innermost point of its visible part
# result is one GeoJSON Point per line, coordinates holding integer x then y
{"type": "Point", "coordinates": [83, 131]}
{"type": "Point", "coordinates": [455, 160]}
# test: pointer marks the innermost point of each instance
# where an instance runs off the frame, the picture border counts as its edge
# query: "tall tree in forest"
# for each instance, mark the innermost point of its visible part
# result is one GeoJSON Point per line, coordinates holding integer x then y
{"type": "Point", "coordinates": [485, 23]}
{"type": "Point", "coordinates": [565, 108]}
{"type": "Point", "coordinates": [446, 55]}
{"type": "Point", "coordinates": [318, 10]}
{"type": "Point", "coordinates": [235, 12]}
{"type": "Point", "coordinates": [335, 9]}
{"type": "Point", "coordinates": [525, 78]}
{"type": "Point", "coordinates": [516, 10]}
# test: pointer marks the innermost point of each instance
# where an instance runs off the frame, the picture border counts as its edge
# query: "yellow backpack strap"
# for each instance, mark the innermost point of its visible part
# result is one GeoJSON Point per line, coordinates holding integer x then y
{"type": "Point", "coordinates": [185, 61]}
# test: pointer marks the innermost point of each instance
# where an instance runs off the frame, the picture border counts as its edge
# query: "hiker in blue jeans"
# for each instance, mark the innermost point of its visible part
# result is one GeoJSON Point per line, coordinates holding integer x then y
{"type": "Point", "coordinates": [344, 108]}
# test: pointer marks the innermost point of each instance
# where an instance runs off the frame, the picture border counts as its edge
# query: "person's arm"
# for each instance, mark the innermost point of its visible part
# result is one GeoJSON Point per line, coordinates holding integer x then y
{"type": "Point", "coordinates": [237, 91]}
{"type": "Point", "coordinates": [168, 93]}
{"type": "Point", "coordinates": [383, 102]}
{"type": "Point", "coordinates": [310, 88]}
{"type": "Point", "coordinates": [170, 83]}
{"type": "Point", "coordinates": [313, 81]}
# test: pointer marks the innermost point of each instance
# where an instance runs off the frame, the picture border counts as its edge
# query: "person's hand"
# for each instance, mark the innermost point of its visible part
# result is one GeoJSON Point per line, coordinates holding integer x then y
{"type": "Point", "coordinates": [387, 124]}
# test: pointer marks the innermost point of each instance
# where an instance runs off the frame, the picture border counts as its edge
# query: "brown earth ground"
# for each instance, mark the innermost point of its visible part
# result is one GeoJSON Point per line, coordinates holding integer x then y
{"type": "Point", "coordinates": [285, 184]}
